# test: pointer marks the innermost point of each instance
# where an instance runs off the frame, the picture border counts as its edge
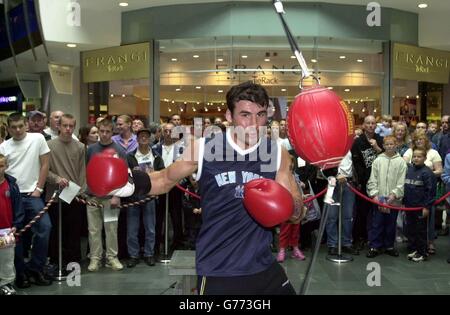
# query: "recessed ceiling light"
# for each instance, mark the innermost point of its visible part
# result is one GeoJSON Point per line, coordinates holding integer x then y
{"type": "Point", "coordinates": [244, 56]}
{"type": "Point", "coordinates": [181, 110]}
{"type": "Point", "coordinates": [330, 87]}
{"type": "Point", "coordinates": [71, 45]}
{"type": "Point", "coordinates": [198, 103]}
{"type": "Point", "coordinates": [112, 95]}
{"type": "Point", "coordinates": [423, 5]}
{"type": "Point", "coordinates": [123, 4]}
{"type": "Point", "coordinates": [174, 59]}
{"type": "Point", "coordinates": [178, 89]}
{"type": "Point", "coordinates": [206, 109]}
{"type": "Point", "coordinates": [219, 109]}
{"type": "Point", "coordinates": [170, 110]}
{"type": "Point", "coordinates": [193, 109]}
{"type": "Point", "coordinates": [347, 90]}
{"type": "Point", "coordinates": [293, 57]}
{"type": "Point", "coordinates": [123, 95]}
{"type": "Point", "coordinates": [184, 103]}
{"type": "Point", "coordinates": [359, 60]}
{"type": "Point", "coordinates": [220, 59]}
{"type": "Point", "coordinates": [342, 57]}
{"type": "Point", "coordinates": [267, 60]}
{"type": "Point", "coordinates": [283, 90]}
{"type": "Point", "coordinates": [195, 56]}
{"type": "Point", "coordinates": [198, 87]}
{"type": "Point", "coordinates": [220, 91]}
{"type": "Point", "coordinates": [313, 60]}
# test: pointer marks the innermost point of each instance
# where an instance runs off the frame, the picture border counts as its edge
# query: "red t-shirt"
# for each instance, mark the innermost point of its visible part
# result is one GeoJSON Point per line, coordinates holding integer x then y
{"type": "Point", "coordinates": [6, 212]}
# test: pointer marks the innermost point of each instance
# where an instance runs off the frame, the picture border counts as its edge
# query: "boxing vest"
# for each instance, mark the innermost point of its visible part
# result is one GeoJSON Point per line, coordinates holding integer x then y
{"type": "Point", "coordinates": [230, 242]}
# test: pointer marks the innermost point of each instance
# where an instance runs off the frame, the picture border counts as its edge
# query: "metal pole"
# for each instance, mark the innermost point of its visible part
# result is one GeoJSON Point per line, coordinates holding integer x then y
{"type": "Point", "coordinates": [60, 276]}
{"type": "Point", "coordinates": [166, 258]}
{"type": "Point", "coordinates": [340, 258]}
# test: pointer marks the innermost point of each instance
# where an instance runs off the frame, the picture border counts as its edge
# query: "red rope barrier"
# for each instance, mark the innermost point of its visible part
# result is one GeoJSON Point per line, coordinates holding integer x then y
{"type": "Point", "coordinates": [187, 191]}
{"type": "Point", "coordinates": [308, 200]}
{"type": "Point", "coordinates": [384, 205]}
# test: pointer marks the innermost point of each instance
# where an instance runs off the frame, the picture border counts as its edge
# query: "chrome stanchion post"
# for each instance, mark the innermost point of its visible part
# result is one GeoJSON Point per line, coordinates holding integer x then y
{"type": "Point", "coordinates": [166, 258]}
{"type": "Point", "coordinates": [340, 258]}
{"type": "Point", "coordinates": [60, 276]}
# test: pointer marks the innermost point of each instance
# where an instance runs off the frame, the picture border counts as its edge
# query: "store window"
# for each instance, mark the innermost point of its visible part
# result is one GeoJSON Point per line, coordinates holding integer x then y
{"type": "Point", "coordinates": [195, 74]}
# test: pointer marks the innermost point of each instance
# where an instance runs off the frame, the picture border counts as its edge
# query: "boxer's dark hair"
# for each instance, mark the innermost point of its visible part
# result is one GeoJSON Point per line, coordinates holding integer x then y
{"type": "Point", "coordinates": [13, 117]}
{"type": "Point", "coordinates": [247, 91]}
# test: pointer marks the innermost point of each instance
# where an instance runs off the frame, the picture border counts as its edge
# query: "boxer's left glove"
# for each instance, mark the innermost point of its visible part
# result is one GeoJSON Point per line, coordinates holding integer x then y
{"type": "Point", "coordinates": [105, 173]}
{"type": "Point", "coordinates": [268, 202]}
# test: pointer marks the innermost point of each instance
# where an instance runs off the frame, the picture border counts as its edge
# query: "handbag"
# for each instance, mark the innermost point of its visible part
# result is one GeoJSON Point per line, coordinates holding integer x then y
{"type": "Point", "coordinates": [313, 211]}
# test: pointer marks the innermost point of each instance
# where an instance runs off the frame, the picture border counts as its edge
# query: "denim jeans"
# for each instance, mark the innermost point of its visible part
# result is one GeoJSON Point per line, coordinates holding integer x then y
{"type": "Point", "coordinates": [382, 231]}
{"type": "Point", "coordinates": [41, 233]}
{"type": "Point", "coordinates": [348, 201]}
{"type": "Point", "coordinates": [133, 220]}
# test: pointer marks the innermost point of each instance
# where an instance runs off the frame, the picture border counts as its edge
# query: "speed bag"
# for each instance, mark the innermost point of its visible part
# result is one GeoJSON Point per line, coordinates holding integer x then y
{"type": "Point", "coordinates": [320, 127]}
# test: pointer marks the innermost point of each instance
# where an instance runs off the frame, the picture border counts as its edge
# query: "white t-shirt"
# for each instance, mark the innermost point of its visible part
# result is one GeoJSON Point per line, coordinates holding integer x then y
{"type": "Point", "coordinates": [167, 154]}
{"type": "Point", "coordinates": [23, 159]}
{"type": "Point", "coordinates": [145, 161]}
{"type": "Point", "coordinates": [432, 157]}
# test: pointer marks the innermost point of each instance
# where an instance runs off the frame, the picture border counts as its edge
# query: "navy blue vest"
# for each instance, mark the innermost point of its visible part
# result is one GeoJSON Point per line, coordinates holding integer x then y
{"type": "Point", "coordinates": [230, 242]}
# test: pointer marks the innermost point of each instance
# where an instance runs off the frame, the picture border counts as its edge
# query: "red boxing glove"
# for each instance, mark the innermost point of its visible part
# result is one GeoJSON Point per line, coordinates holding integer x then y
{"type": "Point", "coordinates": [105, 173]}
{"type": "Point", "coordinates": [268, 202]}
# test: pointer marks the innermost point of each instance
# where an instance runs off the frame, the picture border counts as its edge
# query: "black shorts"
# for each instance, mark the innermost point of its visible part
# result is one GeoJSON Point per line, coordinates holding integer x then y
{"type": "Point", "coordinates": [272, 281]}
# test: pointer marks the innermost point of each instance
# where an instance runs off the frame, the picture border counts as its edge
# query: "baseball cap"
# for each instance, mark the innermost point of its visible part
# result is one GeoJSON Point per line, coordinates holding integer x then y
{"type": "Point", "coordinates": [34, 113]}
{"type": "Point", "coordinates": [143, 130]}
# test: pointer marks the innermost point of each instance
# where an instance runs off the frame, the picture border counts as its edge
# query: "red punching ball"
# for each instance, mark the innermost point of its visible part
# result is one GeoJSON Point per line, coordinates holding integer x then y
{"type": "Point", "coordinates": [268, 202]}
{"type": "Point", "coordinates": [320, 127]}
{"type": "Point", "coordinates": [105, 172]}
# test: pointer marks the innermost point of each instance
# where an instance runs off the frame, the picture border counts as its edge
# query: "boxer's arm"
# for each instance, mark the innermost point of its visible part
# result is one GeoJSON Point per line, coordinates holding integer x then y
{"type": "Point", "coordinates": [285, 177]}
{"type": "Point", "coordinates": [163, 181]}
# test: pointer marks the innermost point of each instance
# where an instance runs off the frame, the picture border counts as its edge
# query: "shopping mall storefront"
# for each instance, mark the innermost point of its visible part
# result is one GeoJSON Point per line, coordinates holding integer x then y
{"type": "Point", "coordinates": [188, 57]}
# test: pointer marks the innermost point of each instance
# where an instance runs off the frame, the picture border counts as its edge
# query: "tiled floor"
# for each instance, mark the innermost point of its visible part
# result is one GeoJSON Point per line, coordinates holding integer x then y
{"type": "Point", "coordinates": [397, 276]}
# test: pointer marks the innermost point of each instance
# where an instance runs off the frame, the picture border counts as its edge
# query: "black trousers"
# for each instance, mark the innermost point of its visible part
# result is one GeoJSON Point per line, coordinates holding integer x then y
{"type": "Point", "coordinates": [416, 231]}
{"type": "Point", "coordinates": [361, 219]}
{"type": "Point", "coordinates": [71, 232]}
{"type": "Point", "coordinates": [272, 281]}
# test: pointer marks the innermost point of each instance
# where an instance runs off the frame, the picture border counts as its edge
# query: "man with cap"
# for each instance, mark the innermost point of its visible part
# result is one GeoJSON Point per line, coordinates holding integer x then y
{"type": "Point", "coordinates": [145, 159]}
{"type": "Point", "coordinates": [36, 123]}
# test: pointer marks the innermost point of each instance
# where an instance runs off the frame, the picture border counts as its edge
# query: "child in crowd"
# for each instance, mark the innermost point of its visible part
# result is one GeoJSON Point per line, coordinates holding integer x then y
{"type": "Point", "coordinates": [384, 128]}
{"type": "Point", "coordinates": [420, 190]}
{"type": "Point", "coordinates": [386, 185]}
{"type": "Point", "coordinates": [11, 219]}
{"type": "Point", "coordinates": [290, 232]}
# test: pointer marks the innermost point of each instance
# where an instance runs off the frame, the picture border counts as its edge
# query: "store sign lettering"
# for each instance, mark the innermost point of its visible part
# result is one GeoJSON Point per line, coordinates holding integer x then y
{"type": "Point", "coordinates": [421, 64]}
{"type": "Point", "coordinates": [8, 99]}
{"type": "Point", "coordinates": [261, 70]}
{"type": "Point", "coordinates": [117, 63]}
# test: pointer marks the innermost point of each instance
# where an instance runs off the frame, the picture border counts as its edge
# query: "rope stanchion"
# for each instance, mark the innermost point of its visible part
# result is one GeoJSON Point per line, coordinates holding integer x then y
{"type": "Point", "coordinates": [384, 205]}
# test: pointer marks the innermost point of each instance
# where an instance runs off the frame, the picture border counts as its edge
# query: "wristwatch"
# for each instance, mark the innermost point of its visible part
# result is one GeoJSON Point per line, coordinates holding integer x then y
{"type": "Point", "coordinates": [39, 189]}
